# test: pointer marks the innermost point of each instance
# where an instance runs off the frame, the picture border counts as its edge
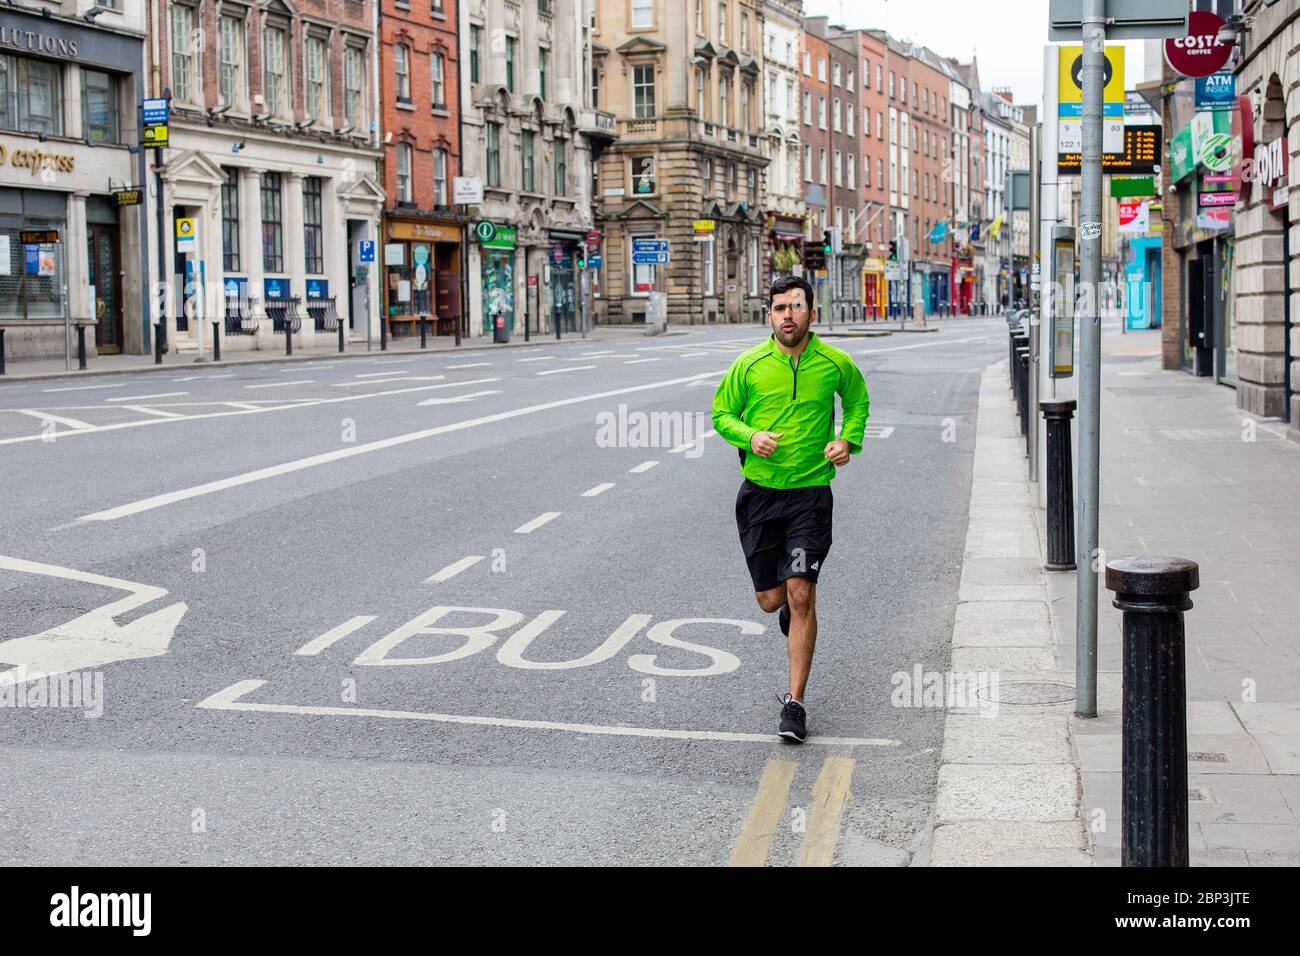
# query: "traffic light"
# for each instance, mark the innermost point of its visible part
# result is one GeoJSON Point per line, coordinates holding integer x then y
{"type": "Point", "coordinates": [893, 250]}
{"type": "Point", "coordinates": [826, 241]}
{"type": "Point", "coordinates": [582, 255]}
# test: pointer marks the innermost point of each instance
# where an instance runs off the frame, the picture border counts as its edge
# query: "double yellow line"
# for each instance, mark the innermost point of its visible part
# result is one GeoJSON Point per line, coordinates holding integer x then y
{"type": "Point", "coordinates": [822, 833]}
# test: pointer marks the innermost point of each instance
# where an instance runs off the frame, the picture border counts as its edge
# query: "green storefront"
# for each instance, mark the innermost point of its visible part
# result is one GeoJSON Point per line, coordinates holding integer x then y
{"type": "Point", "coordinates": [497, 269]}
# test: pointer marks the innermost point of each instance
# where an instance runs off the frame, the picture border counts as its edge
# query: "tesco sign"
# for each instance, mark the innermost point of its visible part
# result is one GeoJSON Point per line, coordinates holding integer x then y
{"type": "Point", "coordinates": [1199, 53]}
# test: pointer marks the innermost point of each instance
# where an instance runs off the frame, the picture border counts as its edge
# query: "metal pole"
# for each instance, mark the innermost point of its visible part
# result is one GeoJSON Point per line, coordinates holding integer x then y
{"type": "Point", "coordinates": [161, 214]}
{"type": "Point", "coordinates": [1034, 149]}
{"type": "Point", "coordinates": [1094, 66]}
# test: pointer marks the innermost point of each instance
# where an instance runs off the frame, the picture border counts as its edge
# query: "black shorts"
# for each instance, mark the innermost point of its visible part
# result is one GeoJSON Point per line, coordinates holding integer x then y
{"type": "Point", "coordinates": [784, 532]}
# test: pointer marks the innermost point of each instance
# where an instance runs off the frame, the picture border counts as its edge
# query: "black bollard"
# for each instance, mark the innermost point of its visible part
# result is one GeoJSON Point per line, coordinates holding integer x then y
{"type": "Point", "coordinates": [341, 330]}
{"type": "Point", "coordinates": [383, 335]}
{"type": "Point", "coordinates": [81, 348]}
{"type": "Point", "coordinates": [424, 333]}
{"type": "Point", "coordinates": [1152, 591]}
{"type": "Point", "coordinates": [1060, 485]}
{"type": "Point", "coordinates": [1022, 393]}
{"type": "Point", "coordinates": [2, 351]}
{"type": "Point", "coordinates": [288, 334]}
{"type": "Point", "coordinates": [157, 343]}
{"type": "Point", "coordinates": [216, 341]}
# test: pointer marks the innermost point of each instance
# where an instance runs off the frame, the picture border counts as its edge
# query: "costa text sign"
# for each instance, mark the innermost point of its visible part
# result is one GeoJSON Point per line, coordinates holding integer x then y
{"type": "Point", "coordinates": [1199, 53]}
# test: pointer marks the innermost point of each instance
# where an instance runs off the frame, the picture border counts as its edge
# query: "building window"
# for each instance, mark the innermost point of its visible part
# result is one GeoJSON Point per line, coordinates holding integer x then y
{"type": "Point", "coordinates": [182, 24]}
{"type": "Point", "coordinates": [475, 41]}
{"type": "Point", "coordinates": [230, 221]}
{"type": "Point", "coordinates": [404, 193]}
{"type": "Point", "coordinates": [880, 125]}
{"type": "Point", "coordinates": [821, 166]}
{"type": "Point", "coordinates": [272, 224]}
{"type": "Point", "coordinates": [821, 112]}
{"type": "Point", "coordinates": [724, 99]}
{"type": "Point", "coordinates": [722, 24]}
{"type": "Point", "coordinates": [643, 275]}
{"type": "Point", "coordinates": [706, 174]}
{"type": "Point", "coordinates": [99, 115]}
{"type": "Point", "coordinates": [353, 86]}
{"type": "Point", "coordinates": [821, 69]}
{"type": "Point", "coordinates": [851, 172]}
{"type": "Point", "coordinates": [402, 67]}
{"type": "Point", "coordinates": [699, 16]}
{"type": "Point", "coordinates": [807, 108]}
{"type": "Point", "coordinates": [494, 154]}
{"type": "Point", "coordinates": [751, 185]}
{"type": "Point", "coordinates": [440, 177]}
{"type": "Point", "coordinates": [744, 32]}
{"type": "Point", "coordinates": [706, 262]}
{"type": "Point", "coordinates": [807, 164]}
{"type": "Point", "coordinates": [561, 150]}
{"type": "Point", "coordinates": [789, 98]}
{"type": "Point", "coordinates": [313, 231]}
{"type": "Point", "coordinates": [835, 74]}
{"type": "Point", "coordinates": [512, 46]}
{"type": "Point", "coordinates": [731, 181]}
{"type": "Point", "coordinates": [232, 61]}
{"type": "Point", "coordinates": [642, 14]}
{"type": "Point", "coordinates": [744, 106]}
{"type": "Point", "coordinates": [848, 119]}
{"type": "Point", "coordinates": [317, 94]}
{"type": "Point", "coordinates": [839, 167]}
{"type": "Point", "coordinates": [541, 73]}
{"type": "Point", "coordinates": [807, 63]}
{"type": "Point", "coordinates": [526, 149]}
{"type": "Point", "coordinates": [643, 91]}
{"type": "Point", "coordinates": [891, 84]}
{"type": "Point", "coordinates": [595, 88]}
{"type": "Point", "coordinates": [752, 263]}
{"type": "Point", "coordinates": [436, 81]}
{"type": "Point", "coordinates": [835, 115]}
{"type": "Point", "coordinates": [274, 89]}
{"type": "Point", "coordinates": [31, 95]}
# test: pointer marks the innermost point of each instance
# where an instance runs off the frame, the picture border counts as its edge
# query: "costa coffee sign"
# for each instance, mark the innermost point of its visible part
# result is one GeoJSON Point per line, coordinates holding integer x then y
{"type": "Point", "coordinates": [1269, 169]}
{"type": "Point", "coordinates": [1199, 53]}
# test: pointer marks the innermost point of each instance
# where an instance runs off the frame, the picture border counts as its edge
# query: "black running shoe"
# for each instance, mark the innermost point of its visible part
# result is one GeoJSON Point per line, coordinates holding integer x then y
{"type": "Point", "coordinates": [783, 618]}
{"type": "Point", "coordinates": [794, 720]}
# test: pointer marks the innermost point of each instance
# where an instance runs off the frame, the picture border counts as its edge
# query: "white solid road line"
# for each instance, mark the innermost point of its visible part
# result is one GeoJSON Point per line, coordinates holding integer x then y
{"type": "Point", "coordinates": [244, 405]}
{"type": "Point", "coordinates": [606, 352]}
{"type": "Point", "coordinates": [260, 474]}
{"type": "Point", "coordinates": [144, 398]}
{"type": "Point", "coordinates": [84, 388]}
{"type": "Point", "coordinates": [407, 377]}
{"type": "Point", "coordinates": [451, 570]}
{"type": "Point", "coordinates": [145, 410]}
{"type": "Point", "coordinates": [470, 365]}
{"type": "Point", "coordinates": [299, 381]}
{"type": "Point", "coordinates": [382, 374]}
{"type": "Point", "coordinates": [333, 635]}
{"type": "Point", "coordinates": [571, 368]}
{"type": "Point", "coordinates": [922, 345]}
{"type": "Point", "coordinates": [458, 399]}
{"type": "Point", "coordinates": [639, 361]}
{"type": "Point", "coordinates": [644, 466]}
{"type": "Point", "coordinates": [530, 526]}
{"type": "Point", "coordinates": [593, 492]}
{"type": "Point", "coordinates": [57, 419]}
{"type": "Point", "coordinates": [231, 699]}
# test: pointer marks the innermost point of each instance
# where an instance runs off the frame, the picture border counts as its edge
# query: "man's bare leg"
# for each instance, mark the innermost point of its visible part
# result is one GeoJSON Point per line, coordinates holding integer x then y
{"type": "Point", "coordinates": [802, 597]}
{"type": "Point", "coordinates": [770, 601]}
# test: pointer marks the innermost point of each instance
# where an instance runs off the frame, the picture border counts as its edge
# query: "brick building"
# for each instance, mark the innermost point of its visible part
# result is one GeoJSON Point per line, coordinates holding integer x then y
{"type": "Point", "coordinates": [419, 97]}
{"type": "Point", "coordinates": [273, 143]}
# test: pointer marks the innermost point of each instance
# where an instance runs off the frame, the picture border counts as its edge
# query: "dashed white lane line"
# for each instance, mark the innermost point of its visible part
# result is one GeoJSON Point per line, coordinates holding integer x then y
{"type": "Point", "coordinates": [605, 352]}
{"type": "Point", "coordinates": [644, 466]}
{"type": "Point", "coordinates": [536, 358]}
{"type": "Point", "coordinates": [145, 410]}
{"type": "Point", "coordinates": [84, 388]}
{"type": "Point", "coordinates": [333, 635]}
{"type": "Point", "coordinates": [571, 368]}
{"type": "Point", "coordinates": [243, 405]}
{"type": "Point", "coordinates": [384, 381]}
{"type": "Point", "coordinates": [639, 361]}
{"type": "Point", "coordinates": [382, 374]}
{"type": "Point", "coordinates": [299, 381]}
{"type": "Point", "coordinates": [231, 699]}
{"type": "Point", "coordinates": [203, 377]}
{"type": "Point", "coordinates": [144, 398]}
{"type": "Point", "coordinates": [458, 399]}
{"type": "Point", "coordinates": [593, 492]}
{"type": "Point", "coordinates": [693, 354]}
{"type": "Point", "coordinates": [541, 519]}
{"type": "Point", "coordinates": [339, 454]}
{"type": "Point", "coordinates": [57, 419]}
{"type": "Point", "coordinates": [691, 444]}
{"type": "Point", "coordinates": [394, 361]}
{"type": "Point", "coordinates": [922, 345]}
{"type": "Point", "coordinates": [451, 570]}
{"type": "Point", "coordinates": [470, 365]}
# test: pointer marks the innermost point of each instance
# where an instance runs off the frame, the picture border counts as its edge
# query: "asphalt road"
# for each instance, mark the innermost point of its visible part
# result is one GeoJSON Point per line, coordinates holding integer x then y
{"type": "Point", "coordinates": [397, 617]}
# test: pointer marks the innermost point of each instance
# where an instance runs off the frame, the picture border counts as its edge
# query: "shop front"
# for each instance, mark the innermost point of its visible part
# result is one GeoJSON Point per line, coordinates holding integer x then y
{"type": "Point", "coordinates": [69, 253]}
{"type": "Point", "coordinates": [562, 275]}
{"type": "Point", "coordinates": [421, 274]}
{"type": "Point", "coordinates": [496, 244]}
{"type": "Point", "coordinates": [875, 294]}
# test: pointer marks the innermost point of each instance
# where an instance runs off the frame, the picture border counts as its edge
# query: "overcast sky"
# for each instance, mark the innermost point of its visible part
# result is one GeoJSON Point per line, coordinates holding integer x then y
{"type": "Point", "coordinates": [1007, 35]}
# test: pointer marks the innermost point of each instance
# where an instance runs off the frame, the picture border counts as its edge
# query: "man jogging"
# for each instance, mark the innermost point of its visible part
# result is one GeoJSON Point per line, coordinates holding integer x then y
{"type": "Point", "coordinates": [777, 405]}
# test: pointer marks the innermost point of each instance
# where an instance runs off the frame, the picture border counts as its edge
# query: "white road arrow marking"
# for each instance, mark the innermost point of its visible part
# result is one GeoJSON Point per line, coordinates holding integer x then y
{"type": "Point", "coordinates": [94, 638]}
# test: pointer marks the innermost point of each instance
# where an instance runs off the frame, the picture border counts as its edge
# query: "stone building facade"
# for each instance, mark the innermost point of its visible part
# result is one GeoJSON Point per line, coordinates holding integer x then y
{"type": "Point", "coordinates": [685, 81]}
{"type": "Point", "coordinates": [786, 213]}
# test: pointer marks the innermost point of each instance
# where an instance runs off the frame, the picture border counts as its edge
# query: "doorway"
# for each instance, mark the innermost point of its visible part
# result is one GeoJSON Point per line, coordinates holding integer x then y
{"type": "Point", "coordinates": [103, 256]}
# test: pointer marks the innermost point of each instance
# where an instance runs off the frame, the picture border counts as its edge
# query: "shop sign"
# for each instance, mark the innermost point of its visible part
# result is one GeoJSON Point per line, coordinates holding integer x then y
{"type": "Point", "coordinates": [36, 161]}
{"type": "Point", "coordinates": [394, 254]}
{"type": "Point", "coordinates": [1133, 217]}
{"type": "Point", "coordinates": [187, 236]}
{"type": "Point", "coordinates": [1242, 131]}
{"type": "Point", "coordinates": [429, 231]}
{"type": "Point", "coordinates": [466, 190]}
{"type": "Point", "coordinates": [318, 288]}
{"type": "Point", "coordinates": [1218, 199]}
{"type": "Point", "coordinates": [1180, 154]}
{"type": "Point", "coordinates": [275, 288]}
{"type": "Point", "coordinates": [1212, 141]}
{"type": "Point", "coordinates": [1214, 219]}
{"type": "Point", "coordinates": [127, 197]}
{"type": "Point", "coordinates": [38, 42]}
{"type": "Point", "coordinates": [1217, 91]}
{"type": "Point", "coordinates": [1199, 53]}
{"type": "Point", "coordinates": [39, 237]}
{"type": "Point", "coordinates": [492, 236]}
{"type": "Point", "coordinates": [1270, 169]}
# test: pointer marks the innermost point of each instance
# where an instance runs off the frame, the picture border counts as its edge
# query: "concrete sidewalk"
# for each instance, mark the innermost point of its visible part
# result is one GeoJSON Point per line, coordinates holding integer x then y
{"type": "Point", "coordinates": [1184, 473]}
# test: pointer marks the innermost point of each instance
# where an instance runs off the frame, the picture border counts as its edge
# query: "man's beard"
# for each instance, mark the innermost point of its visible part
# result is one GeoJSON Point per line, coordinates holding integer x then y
{"type": "Point", "coordinates": [792, 339]}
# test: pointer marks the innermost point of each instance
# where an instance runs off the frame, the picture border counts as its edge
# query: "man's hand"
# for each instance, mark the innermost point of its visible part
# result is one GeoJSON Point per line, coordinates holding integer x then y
{"type": "Point", "coordinates": [763, 444]}
{"type": "Point", "coordinates": [838, 452]}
